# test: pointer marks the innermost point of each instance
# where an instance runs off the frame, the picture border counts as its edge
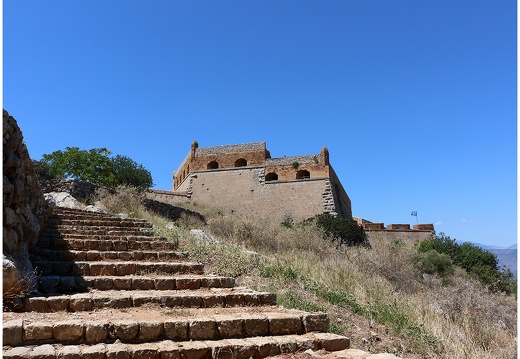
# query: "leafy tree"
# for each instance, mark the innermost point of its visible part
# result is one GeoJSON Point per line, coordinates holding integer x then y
{"type": "Point", "coordinates": [42, 169]}
{"type": "Point", "coordinates": [96, 166]}
{"type": "Point", "coordinates": [130, 173]}
{"type": "Point", "coordinates": [344, 231]}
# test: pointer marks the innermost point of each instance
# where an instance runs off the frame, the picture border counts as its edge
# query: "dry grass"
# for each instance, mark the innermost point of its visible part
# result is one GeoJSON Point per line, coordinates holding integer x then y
{"type": "Point", "coordinates": [376, 296]}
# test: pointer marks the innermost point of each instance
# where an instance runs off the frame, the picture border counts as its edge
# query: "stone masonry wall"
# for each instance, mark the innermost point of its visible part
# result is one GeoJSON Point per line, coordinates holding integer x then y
{"type": "Point", "coordinates": [405, 235]}
{"type": "Point", "coordinates": [247, 194]}
{"type": "Point", "coordinates": [24, 206]}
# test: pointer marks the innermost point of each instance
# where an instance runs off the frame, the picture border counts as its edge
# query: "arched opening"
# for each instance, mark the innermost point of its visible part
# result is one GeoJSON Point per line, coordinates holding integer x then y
{"type": "Point", "coordinates": [212, 165]}
{"type": "Point", "coordinates": [303, 174]}
{"type": "Point", "coordinates": [271, 176]}
{"type": "Point", "coordinates": [241, 162]}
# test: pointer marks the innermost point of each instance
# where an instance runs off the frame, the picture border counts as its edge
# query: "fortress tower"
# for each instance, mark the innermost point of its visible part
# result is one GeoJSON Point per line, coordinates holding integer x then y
{"type": "Point", "coordinates": [244, 180]}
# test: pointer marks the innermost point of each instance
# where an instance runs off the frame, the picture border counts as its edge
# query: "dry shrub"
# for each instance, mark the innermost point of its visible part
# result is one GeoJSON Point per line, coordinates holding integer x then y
{"type": "Point", "coordinates": [123, 199]}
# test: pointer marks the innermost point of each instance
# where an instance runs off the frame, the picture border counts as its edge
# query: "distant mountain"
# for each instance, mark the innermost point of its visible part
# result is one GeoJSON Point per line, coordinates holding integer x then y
{"type": "Point", "coordinates": [506, 257]}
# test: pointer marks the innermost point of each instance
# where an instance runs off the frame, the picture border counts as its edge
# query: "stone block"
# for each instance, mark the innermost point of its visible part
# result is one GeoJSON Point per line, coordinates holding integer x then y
{"type": "Point", "coordinates": [123, 283]}
{"type": "Point", "coordinates": [188, 283]}
{"type": "Point", "coordinates": [95, 332]}
{"type": "Point", "coordinates": [80, 304]}
{"type": "Point", "coordinates": [165, 284]}
{"type": "Point", "coordinates": [229, 327]}
{"type": "Point", "coordinates": [68, 332]}
{"type": "Point", "coordinates": [213, 300]}
{"type": "Point", "coordinates": [195, 350]}
{"type": "Point", "coordinates": [202, 329]}
{"type": "Point", "coordinates": [145, 351]}
{"type": "Point", "coordinates": [150, 331]}
{"type": "Point", "coordinates": [125, 268]}
{"type": "Point", "coordinates": [37, 331]}
{"type": "Point", "coordinates": [423, 227]}
{"type": "Point", "coordinates": [316, 322]}
{"type": "Point", "coordinates": [100, 269]}
{"type": "Point", "coordinates": [256, 326]}
{"type": "Point", "coordinates": [285, 324]}
{"type": "Point", "coordinates": [57, 304]}
{"type": "Point", "coordinates": [103, 283]}
{"type": "Point", "coordinates": [117, 351]}
{"type": "Point", "coordinates": [69, 352]}
{"type": "Point", "coordinates": [394, 227]}
{"type": "Point", "coordinates": [93, 352]}
{"type": "Point", "coordinates": [333, 342]}
{"type": "Point", "coordinates": [176, 330]}
{"type": "Point", "coordinates": [143, 283]}
{"type": "Point", "coordinates": [125, 331]}
{"type": "Point", "coordinates": [235, 300]}
{"type": "Point", "coordinates": [13, 332]}
{"type": "Point", "coordinates": [16, 353]}
{"type": "Point", "coordinates": [46, 351]}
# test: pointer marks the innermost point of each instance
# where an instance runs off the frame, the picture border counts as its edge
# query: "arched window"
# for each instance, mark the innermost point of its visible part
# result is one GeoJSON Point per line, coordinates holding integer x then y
{"type": "Point", "coordinates": [303, 174]}
{"type": "Point", "coordinates": [212, 165]}
{"type": "Point", "coordinates": [271, 176]}
{"type": "Point", "coordinates": [241, 162]}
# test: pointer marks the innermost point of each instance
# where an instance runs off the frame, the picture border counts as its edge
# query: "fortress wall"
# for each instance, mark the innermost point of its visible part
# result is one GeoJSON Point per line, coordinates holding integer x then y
{"type": "Point", "coordinates": [342, 200]}
{"type": "Point", "coordinates": [391, 235]}
{"type": "Point", "coordinates": [244, 192]}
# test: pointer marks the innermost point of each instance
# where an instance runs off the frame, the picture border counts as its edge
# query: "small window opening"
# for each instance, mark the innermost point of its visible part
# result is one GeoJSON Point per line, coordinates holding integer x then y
{"type": "Point", "coordinates": [303, 174]}
{"type": "Point", "coordinates": [271, 176]}
{"type": "Point", "coordinates": [241, 162]}
{"type": "Point", "coordinates": [212, 165]}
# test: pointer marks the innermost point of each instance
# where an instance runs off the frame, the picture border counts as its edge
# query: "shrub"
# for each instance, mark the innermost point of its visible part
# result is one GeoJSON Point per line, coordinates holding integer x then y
{"type": "Point", "coordinates": [433, 262]}
{"type": "Point", "coordinates": [475, 260]}
{"type": "Point", "coordinates": [343, 231]}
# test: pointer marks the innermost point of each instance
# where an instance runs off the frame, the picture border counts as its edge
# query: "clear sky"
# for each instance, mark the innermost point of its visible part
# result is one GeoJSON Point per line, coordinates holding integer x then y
{"type": "Point", "coordinates": [415, 100]}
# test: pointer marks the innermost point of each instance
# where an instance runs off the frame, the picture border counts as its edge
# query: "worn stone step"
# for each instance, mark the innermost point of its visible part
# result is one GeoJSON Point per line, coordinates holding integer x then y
{"type": "Point", "coordinates": [96, 255]}
{"type": "Point", "coordinates": [198, 298]}
{"type": "Point", "coordinates": [71, 284]}
{"type": "Point", "coordinates": [86, 230]}
{"type": "Point", "coordinates": [116, 268]}
{"type": "Point", "coordinates": [99, 221]}
{"type": "Point", "coordinates": [253, 347]}
{"type": "Point", "coordinates": [153, 324]}
{"type": "Point", "coordinates": [133, 243]}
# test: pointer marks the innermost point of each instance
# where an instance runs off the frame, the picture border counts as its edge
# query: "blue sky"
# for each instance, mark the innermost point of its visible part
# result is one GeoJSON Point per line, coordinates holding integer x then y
{"type": "Point", "coordinates": [415, 100]}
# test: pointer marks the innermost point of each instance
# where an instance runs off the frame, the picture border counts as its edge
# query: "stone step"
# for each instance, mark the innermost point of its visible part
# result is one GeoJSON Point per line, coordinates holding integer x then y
{"type": "Point", "coordinates": [155, 324]}
{"type": "Point", "coordinates": [96, 255]}
{"type": "Point", "coordinates": [71, 284]}
{"type": "Point", "coordinates": [198, 298]}
{"type": "Point", "coordinates": [253, 347]}
{"type": "Point", "coordinates": [96, 230]}
{"type": "Point", "coordinates": [82, 224]}
{"type": "Point", "coordinates": [116, 268]}
{"type": "Point", "coordinates": [133, 243]}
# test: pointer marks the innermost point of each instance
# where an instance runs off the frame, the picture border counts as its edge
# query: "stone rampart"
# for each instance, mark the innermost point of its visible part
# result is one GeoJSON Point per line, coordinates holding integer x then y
{"type": "Point", "coordinates": [246, 193]}
{"type": "Point", "coordinates": [25, 211]}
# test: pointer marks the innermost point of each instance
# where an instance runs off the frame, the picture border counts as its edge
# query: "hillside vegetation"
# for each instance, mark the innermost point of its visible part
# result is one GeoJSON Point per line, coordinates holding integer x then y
{"type": "Point", "coordinates": [380, 295]}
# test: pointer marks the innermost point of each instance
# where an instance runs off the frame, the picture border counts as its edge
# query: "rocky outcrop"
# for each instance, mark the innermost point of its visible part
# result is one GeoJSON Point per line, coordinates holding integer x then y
{"type": "Point", "coordinates": [25, 210]}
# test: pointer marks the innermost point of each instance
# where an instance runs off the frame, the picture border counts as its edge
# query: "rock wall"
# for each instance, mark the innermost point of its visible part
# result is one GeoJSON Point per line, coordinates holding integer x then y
{"type": "Point", "coordinates": [25, 211]}
{"type": "Point", "coordinates": [83, 191]}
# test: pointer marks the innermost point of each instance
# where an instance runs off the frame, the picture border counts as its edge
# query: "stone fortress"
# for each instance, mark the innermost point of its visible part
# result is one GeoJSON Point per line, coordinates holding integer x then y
{"type": "Point", "coordinates": [244, 179]}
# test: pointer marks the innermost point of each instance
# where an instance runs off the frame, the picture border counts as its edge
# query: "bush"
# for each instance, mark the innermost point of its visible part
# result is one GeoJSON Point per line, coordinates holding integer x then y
{"type": "Point", "coordinates": [343, 231]}
{"type": "Point", "coordinates": [433, 262]}
{"type": "Point", "coordinates": [475, 260]}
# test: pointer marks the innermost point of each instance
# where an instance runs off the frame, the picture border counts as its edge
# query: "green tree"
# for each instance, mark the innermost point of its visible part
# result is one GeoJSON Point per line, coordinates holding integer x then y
{"type": "Point", "coordinates": [95, 166]}
{"type": "Point", "coordinates": [130, 173]}
{"type": "Point", "coordinates": [344, 231]}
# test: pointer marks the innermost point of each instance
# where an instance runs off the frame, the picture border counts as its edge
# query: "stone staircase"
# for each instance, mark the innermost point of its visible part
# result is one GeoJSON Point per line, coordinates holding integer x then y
{"type": "Point", "coordinates": [109, 288]}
